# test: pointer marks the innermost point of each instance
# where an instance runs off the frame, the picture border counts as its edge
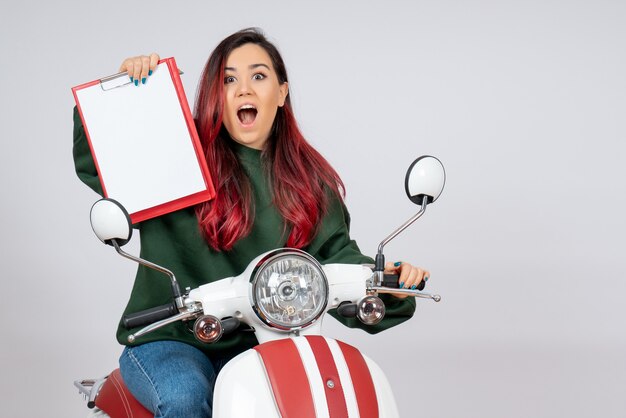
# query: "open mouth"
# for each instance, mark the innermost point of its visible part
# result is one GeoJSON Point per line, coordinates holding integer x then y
{"type": "Point", "coordinates": [247, 114]}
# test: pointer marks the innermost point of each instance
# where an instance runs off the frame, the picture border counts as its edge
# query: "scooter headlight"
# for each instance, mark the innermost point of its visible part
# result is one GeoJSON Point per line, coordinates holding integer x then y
{"type": "Point", "coordinates": [289, 289]}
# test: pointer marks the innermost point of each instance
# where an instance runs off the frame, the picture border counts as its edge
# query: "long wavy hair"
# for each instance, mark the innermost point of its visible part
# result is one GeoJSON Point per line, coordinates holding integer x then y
{"type": "Point", "coordinates": [300, 177]}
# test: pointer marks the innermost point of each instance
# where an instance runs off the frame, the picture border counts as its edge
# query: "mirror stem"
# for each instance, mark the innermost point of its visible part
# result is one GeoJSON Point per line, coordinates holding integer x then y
{"type": "Point", "coordinates": [380, 257]}
{"type": "Point", "coordinates": [175, 288]}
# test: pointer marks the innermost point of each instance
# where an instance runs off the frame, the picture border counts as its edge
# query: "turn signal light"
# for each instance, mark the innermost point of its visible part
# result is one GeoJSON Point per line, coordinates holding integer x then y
{"type": "Point", "coordinates": [208, 329]}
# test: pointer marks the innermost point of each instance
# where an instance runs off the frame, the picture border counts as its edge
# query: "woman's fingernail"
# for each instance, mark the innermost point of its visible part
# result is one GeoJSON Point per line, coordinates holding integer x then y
{"type": "Point", "coordinates": [143, 80]}
{"type": "Point", "coordinates": [425, 278]}
{"type": "Point", "coordinates": [136, 82]}
{"type": "Point", "coordinates": [131, 79]}
{"type": "Point", "coordinates": [401, 285]}
{"type": "Point", "coordinates": [397, 263]}
{"type": "Point", "coordinates": [149, 72]}
{"type": "Point", "coordinates": [413, 287]}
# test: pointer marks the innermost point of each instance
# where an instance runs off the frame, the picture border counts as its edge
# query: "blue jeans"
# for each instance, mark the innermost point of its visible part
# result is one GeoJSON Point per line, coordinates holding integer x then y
{"type": "Point", "coordinates": [171, 379]}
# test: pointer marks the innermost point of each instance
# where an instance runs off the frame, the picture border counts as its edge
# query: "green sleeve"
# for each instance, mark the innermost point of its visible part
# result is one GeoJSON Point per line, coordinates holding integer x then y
{"type": "Point", "coordinates": [332, 244]}
{"type": "Point", "coordinates": [83, 161]}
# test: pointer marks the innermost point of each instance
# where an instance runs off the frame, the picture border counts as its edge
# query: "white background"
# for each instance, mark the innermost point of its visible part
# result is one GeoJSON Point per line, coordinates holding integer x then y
{"type": "Point", "coordinates": [523, 101]}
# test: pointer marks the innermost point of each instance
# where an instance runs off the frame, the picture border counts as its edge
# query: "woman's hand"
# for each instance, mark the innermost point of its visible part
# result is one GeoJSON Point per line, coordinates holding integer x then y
{"type": "Point", "coordinates": [140, 67]}
{"type": "Point", "coordinates": [409, 276]}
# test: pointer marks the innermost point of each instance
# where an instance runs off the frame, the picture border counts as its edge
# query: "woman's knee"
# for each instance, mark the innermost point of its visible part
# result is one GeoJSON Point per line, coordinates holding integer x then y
{"type": "Point", "coordinates": [169, 378]}
{"type": "Point", "coordinates": [188, 402]}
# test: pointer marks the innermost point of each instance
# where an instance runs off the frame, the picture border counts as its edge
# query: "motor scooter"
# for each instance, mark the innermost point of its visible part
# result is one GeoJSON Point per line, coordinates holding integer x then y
{"type": "Point", "coordinates": [282, 295]}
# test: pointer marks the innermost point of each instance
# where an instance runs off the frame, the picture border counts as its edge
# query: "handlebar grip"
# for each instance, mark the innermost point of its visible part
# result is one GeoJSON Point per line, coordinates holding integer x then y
{"type": "Point", "coordinates": [148, 316]}
{"type": "Point", "coordinates": [391, 280]}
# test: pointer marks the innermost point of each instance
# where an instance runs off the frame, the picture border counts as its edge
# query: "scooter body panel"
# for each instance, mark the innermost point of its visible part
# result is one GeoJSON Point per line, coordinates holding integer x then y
{"type": "Point", "coordinates": [387, 407]}
{"type": "Point", "coordinates": [242, 389]}
{"type": "Point", "coordinates": [247, 385]}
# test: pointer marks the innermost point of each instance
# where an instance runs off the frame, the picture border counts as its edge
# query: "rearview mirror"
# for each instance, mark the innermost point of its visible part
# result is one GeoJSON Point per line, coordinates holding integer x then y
{"type": "Point", "coordinates": [425, 178]}
{"type": "Point", "coordinates": [110, 221]}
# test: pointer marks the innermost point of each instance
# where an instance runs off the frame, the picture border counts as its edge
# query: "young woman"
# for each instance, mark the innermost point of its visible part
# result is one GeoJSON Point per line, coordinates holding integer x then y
{"type": "Point", "coordinates": [272, 190]}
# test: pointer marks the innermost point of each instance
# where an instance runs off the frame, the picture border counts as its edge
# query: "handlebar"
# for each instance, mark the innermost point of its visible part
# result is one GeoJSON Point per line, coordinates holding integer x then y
{"type": "Point", "coordinates": [149, 316]}
{"type": "Point", "coordinates": [391, 280]}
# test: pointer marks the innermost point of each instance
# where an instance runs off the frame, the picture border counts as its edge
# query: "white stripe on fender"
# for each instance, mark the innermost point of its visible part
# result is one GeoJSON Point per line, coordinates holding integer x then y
{"type": "Point", "coordinates": [313, 373]}
{"type": "Point", "coordinates": [344, 376]}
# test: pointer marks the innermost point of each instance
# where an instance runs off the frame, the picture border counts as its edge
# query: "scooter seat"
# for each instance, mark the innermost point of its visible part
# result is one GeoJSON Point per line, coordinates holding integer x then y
{"type": "Point", "coordinates": [116, 400]}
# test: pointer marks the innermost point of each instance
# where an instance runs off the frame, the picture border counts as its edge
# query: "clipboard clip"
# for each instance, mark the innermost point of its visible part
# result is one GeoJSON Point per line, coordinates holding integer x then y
{"type": "Point", "coordinates": [115, 81]}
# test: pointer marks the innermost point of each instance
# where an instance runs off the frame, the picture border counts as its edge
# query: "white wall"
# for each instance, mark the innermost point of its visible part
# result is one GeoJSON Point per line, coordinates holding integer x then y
{"type": "Point", "coordinates": [523, 101]}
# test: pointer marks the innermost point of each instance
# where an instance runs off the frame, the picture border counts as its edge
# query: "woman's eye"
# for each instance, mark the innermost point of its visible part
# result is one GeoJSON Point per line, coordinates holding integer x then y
{"type": "Point", "coordinates": [258, 76]}
{"type": "Point", "coordinates": [229, 79]}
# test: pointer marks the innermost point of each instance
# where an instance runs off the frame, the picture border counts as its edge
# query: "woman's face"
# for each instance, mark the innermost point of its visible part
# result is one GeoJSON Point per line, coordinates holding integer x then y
{"type": "Point", "coordinates": [253, 95]}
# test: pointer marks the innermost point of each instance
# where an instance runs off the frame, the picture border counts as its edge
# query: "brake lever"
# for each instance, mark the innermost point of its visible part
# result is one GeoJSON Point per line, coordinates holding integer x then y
{"type": "Point", "coordinates": [189, 314]}
{"type": "Point", "coordinates": [408, 292]}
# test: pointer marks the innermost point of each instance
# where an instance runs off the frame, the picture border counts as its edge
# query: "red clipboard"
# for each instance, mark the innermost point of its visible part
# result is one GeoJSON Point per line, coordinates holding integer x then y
{"type": "Point", "coordinates": [144, 142]}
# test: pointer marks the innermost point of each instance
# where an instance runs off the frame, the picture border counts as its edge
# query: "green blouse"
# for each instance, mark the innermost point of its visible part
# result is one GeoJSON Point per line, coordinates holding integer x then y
{"type": "Point", "coordinates": [175, 242]}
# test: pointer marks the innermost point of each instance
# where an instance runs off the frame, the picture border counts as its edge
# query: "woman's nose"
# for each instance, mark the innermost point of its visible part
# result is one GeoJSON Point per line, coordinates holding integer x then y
{"type": "Point", "coordinates": [243, 88]}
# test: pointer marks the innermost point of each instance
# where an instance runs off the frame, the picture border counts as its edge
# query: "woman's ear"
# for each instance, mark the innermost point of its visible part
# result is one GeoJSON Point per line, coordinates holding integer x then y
{"type": "Point", "coordinates": [283, 91]}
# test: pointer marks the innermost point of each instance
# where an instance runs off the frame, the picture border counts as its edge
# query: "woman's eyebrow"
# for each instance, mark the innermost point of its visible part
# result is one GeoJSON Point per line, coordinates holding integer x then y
{"type": "Point", "coordinates": [251, 66]}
